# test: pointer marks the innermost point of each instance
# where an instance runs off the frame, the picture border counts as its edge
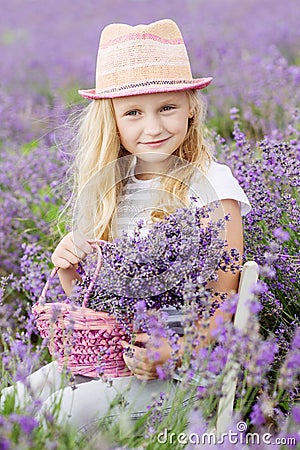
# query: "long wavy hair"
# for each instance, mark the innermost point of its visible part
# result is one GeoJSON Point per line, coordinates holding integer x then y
{"type": "Point", "coordinates": [98, 178]}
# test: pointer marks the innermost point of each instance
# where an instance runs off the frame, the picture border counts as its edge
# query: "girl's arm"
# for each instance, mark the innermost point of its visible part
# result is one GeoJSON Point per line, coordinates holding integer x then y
{"type": "Point", "coordinates": [227, 282]}
{"type": "Point", "coordinates": [70, 250]}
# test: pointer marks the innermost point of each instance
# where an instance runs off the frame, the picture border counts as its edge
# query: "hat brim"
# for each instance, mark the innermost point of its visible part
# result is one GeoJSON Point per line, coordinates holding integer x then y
{"type": "Point", "coordinates": [148, 87]}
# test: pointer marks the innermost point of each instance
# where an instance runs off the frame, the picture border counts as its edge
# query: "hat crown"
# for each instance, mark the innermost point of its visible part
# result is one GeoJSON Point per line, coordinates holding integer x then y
{"type": "Point", "coordinates": [163, 28]}
{"type": "Point", "coordinates": [142, 59]}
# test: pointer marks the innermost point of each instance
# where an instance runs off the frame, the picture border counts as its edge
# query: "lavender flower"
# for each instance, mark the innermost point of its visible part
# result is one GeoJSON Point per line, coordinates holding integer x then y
{"type": "Point", "coordinates": [280, 234]}
{"type": "Point", "coordinates": [156, 413]}
{"type": "Point", "coordinates": [290, 369]}
{"type": "Point", "coordinates": [296, 414]}
{"type": "Point", "coordinates": [5, 443]}
{"type": "Point", "coordinates": [27, 424]}
{"type": "Point", "coordinates": [136, 274]}
{"type": "Point", "coordinates": [257, 417]}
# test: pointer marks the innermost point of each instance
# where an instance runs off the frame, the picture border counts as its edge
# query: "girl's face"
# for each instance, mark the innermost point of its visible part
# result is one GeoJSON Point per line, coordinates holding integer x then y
{"type": "Point", "coordinates": [152, 126]}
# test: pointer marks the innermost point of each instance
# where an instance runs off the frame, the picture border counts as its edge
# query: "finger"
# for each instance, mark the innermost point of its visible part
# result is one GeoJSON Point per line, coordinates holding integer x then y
{"type": "Point", "coordinates": [66, 260]}
{"type": "Point", "coordinates": [134, 363]}
{"type": "Point", "coordinates": [144, 371]}
{"type": "Point", "coordinates": [77, 253]}
{"type": "Point", "coordinates": [139, 367]}
{"type": "Point", "coordinates": [79, 250]}
{"type": "Point", "coordinates": [83, 249]}
{"type": "Point", "coordinates": [142, 338]}
{"type": "Point", "coordinates": [129, 363]}
{"type": "Point", "coordinates": [132, 348]}
{"type": "Point", "coordinates": [125, 344]}
{"type": "Point", "coordinates": [136, 354]}
{"type": "Point", "coordinates": [81, 243]}
{"type": "Point", "coordinates": [70, 256]}
{"type": "Point", "coordinates": [140, 354]}
{"type": "Point", "coordinates": [146, 377]}
{"type": "Point", "coordinates": [77, 244]}
{"type": "Point", "coordinates": [62, 263]}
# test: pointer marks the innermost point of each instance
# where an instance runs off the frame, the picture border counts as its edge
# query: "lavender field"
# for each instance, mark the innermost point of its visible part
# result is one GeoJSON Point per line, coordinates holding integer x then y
{"type": "Point", "coordinates": [252, 49]}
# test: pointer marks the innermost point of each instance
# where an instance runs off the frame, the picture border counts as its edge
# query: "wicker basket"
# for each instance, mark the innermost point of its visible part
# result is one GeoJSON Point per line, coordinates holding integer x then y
{"type": "Point", "coordinates": [84, 340]}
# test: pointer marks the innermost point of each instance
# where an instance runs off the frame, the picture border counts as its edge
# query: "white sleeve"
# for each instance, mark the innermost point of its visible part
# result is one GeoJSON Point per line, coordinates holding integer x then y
{"type": "Point", "coordinates": [218, 184]}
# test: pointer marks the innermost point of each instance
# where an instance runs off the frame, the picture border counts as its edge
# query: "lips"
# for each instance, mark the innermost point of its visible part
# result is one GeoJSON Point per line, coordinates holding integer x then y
{"type": "Point", "coordinates": [155, 143]}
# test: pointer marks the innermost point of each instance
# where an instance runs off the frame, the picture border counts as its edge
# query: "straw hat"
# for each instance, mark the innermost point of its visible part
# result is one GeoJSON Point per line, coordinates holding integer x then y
{"type": "Point", "coordinates": [142, 59]}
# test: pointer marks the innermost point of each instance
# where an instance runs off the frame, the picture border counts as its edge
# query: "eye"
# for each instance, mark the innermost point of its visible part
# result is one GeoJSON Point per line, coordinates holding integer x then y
{"type": "Point", "coordinates": [167, 108]}
{"type": "Point", "coordinates": [134, 112]}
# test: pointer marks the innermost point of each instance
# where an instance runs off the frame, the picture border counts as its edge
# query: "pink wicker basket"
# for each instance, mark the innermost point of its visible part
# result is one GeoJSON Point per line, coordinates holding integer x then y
{"type": "Point", "coordinates": [84, 340]}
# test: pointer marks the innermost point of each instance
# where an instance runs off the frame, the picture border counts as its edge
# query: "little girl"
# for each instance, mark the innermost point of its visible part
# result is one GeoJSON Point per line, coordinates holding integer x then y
{"type": "Point", "coordinates": [144, 117]}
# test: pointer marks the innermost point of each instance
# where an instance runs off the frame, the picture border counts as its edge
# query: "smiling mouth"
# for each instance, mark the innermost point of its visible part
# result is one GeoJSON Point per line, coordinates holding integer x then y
{"type": "Point", "coordinates": [155, 142]}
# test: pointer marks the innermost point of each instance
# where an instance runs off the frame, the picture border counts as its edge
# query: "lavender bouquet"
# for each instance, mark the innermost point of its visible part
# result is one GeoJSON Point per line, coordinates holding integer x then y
{"type": "Point", "coordinates": [186, 247]}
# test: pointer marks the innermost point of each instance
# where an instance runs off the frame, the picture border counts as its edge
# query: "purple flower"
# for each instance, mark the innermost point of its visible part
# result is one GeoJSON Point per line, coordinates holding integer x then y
{"type": "Point", "coordinates": [259, 288]}
{"type": "Point", "coordinates": [281, 235]}
{"type": "Point", "coordinates": [27, 424]}
{"type": "Point", "coordinates": [234, 113]}
{"type": "Point", "coordinates": [255, 306]}
{"type": "Point", "coordinates": [267, 271]}
{"type": "Point", "coordinates": [290, 368]}
{"type": "Point", "coordinates": [230, 305]}
{"type": "Point", "coordinates": [296, 414]}
{"type": "Point", "coordinates": [257, 417]}
{"type": "Point", "coordinates": [162, 373]}
{"type": "Point", "coordinates": [4, 444]}
{"type": "Point", "coordinates": [296, 340]}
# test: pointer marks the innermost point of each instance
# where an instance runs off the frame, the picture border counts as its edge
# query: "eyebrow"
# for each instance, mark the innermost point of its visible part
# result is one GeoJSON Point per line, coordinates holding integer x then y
{"type": "Point", "coordinates": [130, 106]}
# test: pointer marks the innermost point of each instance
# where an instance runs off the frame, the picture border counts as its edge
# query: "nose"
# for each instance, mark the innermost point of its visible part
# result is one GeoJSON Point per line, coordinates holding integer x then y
{"type": "Point", "coordinates": [153, 125]}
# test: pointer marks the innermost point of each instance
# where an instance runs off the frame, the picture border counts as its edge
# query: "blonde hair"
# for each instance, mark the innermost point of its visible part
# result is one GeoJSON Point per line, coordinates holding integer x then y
{"type": "Point", "coordinates": [98, 179]}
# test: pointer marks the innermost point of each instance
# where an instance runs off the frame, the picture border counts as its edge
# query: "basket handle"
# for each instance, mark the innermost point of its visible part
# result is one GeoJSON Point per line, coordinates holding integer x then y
{"type": "Point", "coordinates": [96, 246]}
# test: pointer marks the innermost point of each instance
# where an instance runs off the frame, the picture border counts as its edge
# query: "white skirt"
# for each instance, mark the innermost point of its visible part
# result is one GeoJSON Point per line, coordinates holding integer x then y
{"type": "Point", "coordinates": [85, 404]}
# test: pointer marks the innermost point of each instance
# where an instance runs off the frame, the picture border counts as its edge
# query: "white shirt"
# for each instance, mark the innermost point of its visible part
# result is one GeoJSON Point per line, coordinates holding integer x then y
{"type": "Point", "coordinates": [139, 197]}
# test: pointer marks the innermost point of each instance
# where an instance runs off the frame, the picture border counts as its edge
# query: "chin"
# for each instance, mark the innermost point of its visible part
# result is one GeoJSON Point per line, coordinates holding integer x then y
{"type": "Point", "coordinates": [153, 157]}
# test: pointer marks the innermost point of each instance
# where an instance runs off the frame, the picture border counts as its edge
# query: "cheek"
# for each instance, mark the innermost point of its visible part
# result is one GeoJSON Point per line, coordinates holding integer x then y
{"type": "Point", "coordinates": [180, 127]}
{"type": "Point", "coordinates": [124, 133]}
{"type": "Point", "coordinates": [128, 138]}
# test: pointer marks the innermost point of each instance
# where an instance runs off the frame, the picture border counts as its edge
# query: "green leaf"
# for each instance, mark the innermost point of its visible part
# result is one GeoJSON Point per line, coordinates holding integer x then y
{"type": "Point", "coordinates": [26, 149]}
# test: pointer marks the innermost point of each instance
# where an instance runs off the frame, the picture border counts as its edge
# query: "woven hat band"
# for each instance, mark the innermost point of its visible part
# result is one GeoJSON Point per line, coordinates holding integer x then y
{"type": "Point", "coordinates": [141, 56]}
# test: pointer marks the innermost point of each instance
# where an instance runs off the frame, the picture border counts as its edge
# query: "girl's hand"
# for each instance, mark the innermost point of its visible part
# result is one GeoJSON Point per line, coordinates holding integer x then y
{"type": "Point", "coordinates": [70, 250]}
{"type": "Point", "coordinates": [144, 360]}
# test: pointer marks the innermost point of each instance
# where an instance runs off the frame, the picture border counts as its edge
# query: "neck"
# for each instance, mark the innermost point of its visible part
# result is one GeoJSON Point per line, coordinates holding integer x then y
{"type": "Point", "coordinates": [146, 170]}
